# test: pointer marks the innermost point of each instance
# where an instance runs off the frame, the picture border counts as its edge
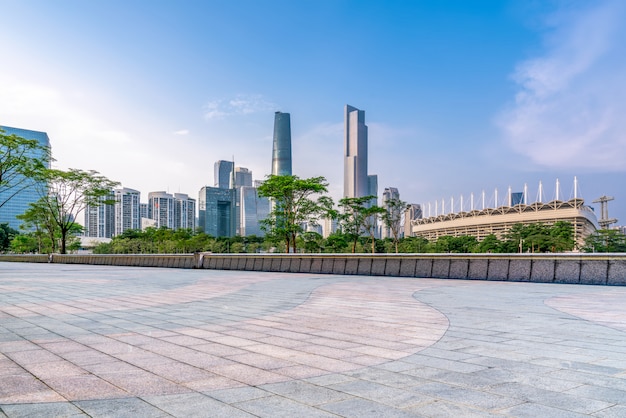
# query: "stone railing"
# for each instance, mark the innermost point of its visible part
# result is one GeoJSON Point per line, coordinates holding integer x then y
{"type": "Point", "coordinates": [602, 269]}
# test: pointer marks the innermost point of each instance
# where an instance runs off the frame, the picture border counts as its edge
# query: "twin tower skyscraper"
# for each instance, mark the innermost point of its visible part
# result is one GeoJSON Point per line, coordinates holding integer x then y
{"type": "Point", "coordinates": [357, 182]}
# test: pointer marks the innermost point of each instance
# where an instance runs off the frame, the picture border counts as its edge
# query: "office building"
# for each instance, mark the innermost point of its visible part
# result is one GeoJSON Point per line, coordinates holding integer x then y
{"type": "Point", "coordinates": [223, 174]}
{"type": "Point", "coordinates": [357, 181]}
{"type": "Point", "coordinates": [161, 209]}
{"type": "Point", "coordinates": [216, 211]}
{"type": "Point", "coordinates": [412, 213]}
{"type": "Point", "coordinates": [19, 193]}
{"type": "Point", "coordinates": [243, 177]}
{"type": "Point", "coordinates": [100, 219]}
{"type": "Point", "coordinates": [281, 146]}
{"type": "Point", "coordinates": [127, 210]}
{"type": "Point", "coordinates": [390, 193]}
{"type": "Point", "coordinates": [252, 210]}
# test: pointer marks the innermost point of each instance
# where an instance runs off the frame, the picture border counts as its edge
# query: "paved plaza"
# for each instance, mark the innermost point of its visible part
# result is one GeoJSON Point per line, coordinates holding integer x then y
{"type": "Point", "coordinates": [81, 340]}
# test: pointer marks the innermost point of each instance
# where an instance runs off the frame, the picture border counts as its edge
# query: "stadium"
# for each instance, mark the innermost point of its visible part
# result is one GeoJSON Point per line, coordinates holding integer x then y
{"type": "Point", "coordinates": [498, 220]}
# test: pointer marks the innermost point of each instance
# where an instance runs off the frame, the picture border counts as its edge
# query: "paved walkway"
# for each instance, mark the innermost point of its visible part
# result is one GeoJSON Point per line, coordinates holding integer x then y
{"type": "Point", "coordinates": [99, 341]}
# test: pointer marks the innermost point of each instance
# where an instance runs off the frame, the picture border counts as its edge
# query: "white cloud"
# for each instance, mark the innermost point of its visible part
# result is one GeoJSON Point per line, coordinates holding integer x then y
{"type": "Point", "coordinates": [182, 132]}
{"type": "Point", "coordinates": [568, 111]}
{"type": "Point", "coordinates": [240, 105]}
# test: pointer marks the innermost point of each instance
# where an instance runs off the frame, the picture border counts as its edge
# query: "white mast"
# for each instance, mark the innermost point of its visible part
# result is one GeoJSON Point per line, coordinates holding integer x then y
{"type": "Point", "coordinates": [510, 197]}
{"type": "Point", "coordinates": [525, 193]}
{"type": "Point", "coordinates": [472, 201]}
{"type": "Point", "coordinates": [558, 186]}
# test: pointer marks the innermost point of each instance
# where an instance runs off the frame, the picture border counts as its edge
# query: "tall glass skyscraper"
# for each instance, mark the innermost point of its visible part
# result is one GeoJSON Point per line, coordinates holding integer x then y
{"type": "Point", "coordinates": [281, 147]}
{"type": "Point", "coordinates": [356, 181]}
{"type": "Point", "coordinates": [224, 173]}
{"type": "Point", "coordinates": [17, 204]}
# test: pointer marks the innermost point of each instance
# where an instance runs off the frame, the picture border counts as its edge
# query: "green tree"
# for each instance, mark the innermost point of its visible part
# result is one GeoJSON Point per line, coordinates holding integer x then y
{"type": "Point", "coordinates": [392, 218]}
{"type": "Point", "coordinates": [68, 193]}
{"type": "Point", "coordinates": [489, 244]}
{"type": "Point", "coordinates": [6, 236]}
{"type": "Point", "coordinates": [293, 204]}
{"type": "Point", "coordinates": [605, 241]}
{"type": "Point", "coordinates": [358, 218]}
{"type": "Point", "coordinates": [22, 162]}
{"type": "Point", "coordinates": [38, 219]}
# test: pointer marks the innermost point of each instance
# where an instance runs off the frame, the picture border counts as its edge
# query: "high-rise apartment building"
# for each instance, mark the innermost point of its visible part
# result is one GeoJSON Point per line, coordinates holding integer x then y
{"type": "Point", "coordinates": [281, 146]}
{"type": "Point", "coordinates": [216, 211]}
{"type": "Point", "coordinates": [357, 182]}
{"type": "Point", "coordinates": [413, 213]}
{"type": "Point", "coordinates": [127, 210]}
{"type": "Point", "coordinates": [161, 209]}
{"type": "Point", "coordinates": [184, 212]}
{"type": "Point", "coordinates": [224, 174]}
{"type": "Point", "coordinates": [100, 219]}
{"type": "Point", "coordinates": [19, 194]}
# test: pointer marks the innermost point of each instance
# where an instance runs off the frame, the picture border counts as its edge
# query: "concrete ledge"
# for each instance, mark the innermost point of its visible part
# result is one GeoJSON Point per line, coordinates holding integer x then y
{"type": "Point", "coordinates": [459, 268]}
{"type": "Point", "coordinates": [498, 269]}
{"type": "Point", "coordinates": [593, 269]}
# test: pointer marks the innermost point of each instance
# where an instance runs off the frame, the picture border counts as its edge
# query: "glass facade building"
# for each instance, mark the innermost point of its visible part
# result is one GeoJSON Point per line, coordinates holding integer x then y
{"type": "Point", "coordinates": [17, 203]}
{"type": "Point", "coordinates": [356, 181]}
{"type": "Point", "coordinates": [281, 146]}
{"type": "Point", "coordinates": [216, 211]}
{"type": "Point", "coordinates": [223, 174]}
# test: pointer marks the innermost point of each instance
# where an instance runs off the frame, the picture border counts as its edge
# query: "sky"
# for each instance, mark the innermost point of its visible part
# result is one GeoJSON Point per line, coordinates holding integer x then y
{"type": "Point", "coordinates": [460, 97]}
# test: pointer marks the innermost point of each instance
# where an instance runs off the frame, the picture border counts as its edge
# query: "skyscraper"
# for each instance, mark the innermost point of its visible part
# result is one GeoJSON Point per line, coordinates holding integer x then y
{"type": "Point", "coordinates": [281, 147]}
{"type": "Point", "coordinates": [17, 195]}
{"type": "Point", "coordinates": [356, 181]}
{"type": "Point", "coordinates": [216, 214]}
{"type": "Point", "coordinates": [390, 193]}
{"type": "Point", "coordinates": [243, 177]}
{"type": "Point", "coordinates": [224, 173]}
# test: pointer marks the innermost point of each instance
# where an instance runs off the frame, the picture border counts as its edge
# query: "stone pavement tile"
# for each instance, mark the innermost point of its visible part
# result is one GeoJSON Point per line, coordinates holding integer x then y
{"type": "Point", "coordinates": [25, 388]}
{"type": "Point", "coordinates": [180, 373]}
{"type": "Point", "coordinates": [394, 397]}
{"type": "Point", "coordinates": [443, 409]}
{"type": "Point", "coordinates": [194, 405]}
{"type": "Point", "coordinates": [48, 410]}
{"type": "Point", "coordinates": [300, 371]}
{"type": "Point", "coordinates": [279, 407]}
{"type": "Point", "coordinates": [533, 410]}
{"type": "Point", "coordinates": [247, 374]}
{"type": "Point", "coordinates": [600, 393]}
{"type": "Point", "coordinates": [617, 382]}
{"type": "Point", "coordinates": [216, 349]}
{"type": "Point", "coordinates": [364, 408]}
{"type": "Point", "coordinates": [142, 383]}
{"type": "Point", "coordinates": [121, 408]}
{"type": "Point", "coordinates": [444, 364]}
{"type": "Point", "coordinates": [305, 392]}
{"type": "Point", "coordinates": [54, 369]}
{"type": "Point", "coordinates": [83, 387]}
{"type": "Point", "coordinates": [385, 377]}
{"type": "Point", "coordinates": [469, 397]}
{"type": "Point", "coordinates": [234, 395]}
{"type": "Point", "coordinates": [214, 382]}
{"type": "Point", "coordinates": [617, 411]}
{"type": "Point", "coordinates": [552, 399]}
{"type": "Point", "coordinates": [261, 361]}
{"type": "Point", "coordinates": [31, 357]}
{"type": "Point", "coordinates": [435, 351]}
{"type": "Point", "coordinates": [577, 365]}
{"type": "Point", "coordinates": [330, 379]}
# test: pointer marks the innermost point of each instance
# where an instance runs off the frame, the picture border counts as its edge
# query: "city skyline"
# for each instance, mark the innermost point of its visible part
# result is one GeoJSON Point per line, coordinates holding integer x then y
{"type": "Point", "coordinates": [460, 96]}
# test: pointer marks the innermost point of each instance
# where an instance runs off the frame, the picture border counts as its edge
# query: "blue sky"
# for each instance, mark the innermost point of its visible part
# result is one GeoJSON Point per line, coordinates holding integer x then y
{"type": "Point", "coordinates": [459, 96]}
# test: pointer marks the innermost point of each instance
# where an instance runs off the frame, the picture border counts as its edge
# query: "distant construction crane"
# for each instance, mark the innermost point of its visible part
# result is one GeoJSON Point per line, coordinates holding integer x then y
{"type": "Point", "coordinates": [604, 220]}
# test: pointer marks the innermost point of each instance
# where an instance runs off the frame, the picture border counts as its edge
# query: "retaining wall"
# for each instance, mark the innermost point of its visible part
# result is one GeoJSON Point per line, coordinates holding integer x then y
{"type": "Point", "coordinates": [605, 269]}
